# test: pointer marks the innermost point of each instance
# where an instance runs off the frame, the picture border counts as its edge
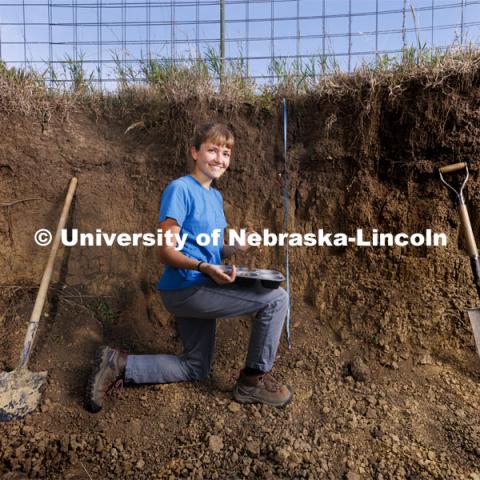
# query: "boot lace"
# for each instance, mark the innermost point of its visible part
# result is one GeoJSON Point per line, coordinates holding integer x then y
{"type": "Point", "coordinates": [270, 383]}
{"type": "Point", "coordinates": [116, 387]}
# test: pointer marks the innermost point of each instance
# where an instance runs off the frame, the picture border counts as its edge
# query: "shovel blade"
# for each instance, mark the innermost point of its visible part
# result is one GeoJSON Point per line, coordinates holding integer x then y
{"type": "Point", "coordinates": [474, 316]}
{"type": "Point", "coordinates": [20, 393]}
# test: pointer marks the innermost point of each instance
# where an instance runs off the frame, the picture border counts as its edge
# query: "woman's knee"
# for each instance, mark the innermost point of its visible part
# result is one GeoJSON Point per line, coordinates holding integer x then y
{"type": "Point", "coordinates": [282, 297]}
{"type": "Point", "coordinates": [197, 369]}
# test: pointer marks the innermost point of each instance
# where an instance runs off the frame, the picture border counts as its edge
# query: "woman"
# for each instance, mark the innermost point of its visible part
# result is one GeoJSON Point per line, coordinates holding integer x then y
{"type": "Point", "coordinates": [197, 292]}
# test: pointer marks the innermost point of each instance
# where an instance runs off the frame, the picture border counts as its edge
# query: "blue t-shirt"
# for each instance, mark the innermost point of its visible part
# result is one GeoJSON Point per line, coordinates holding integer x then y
{"type": "Point", "coordinates": [197, 210]}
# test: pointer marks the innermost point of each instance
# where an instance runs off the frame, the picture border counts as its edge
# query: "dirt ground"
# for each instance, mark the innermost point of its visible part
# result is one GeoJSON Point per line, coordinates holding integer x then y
{"type": "Point", "coordinates": [383, 363]}
{"type": "Point", "coordinates": [413, 416]}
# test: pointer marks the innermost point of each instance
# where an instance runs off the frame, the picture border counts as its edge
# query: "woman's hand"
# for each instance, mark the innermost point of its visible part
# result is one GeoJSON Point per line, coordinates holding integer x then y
{"type": "Point", "coordinates": [246, 247]}
{"type": "Point", "coordinates": [229, 250]}
{"type": "Point", "coordinates": [217, 275]}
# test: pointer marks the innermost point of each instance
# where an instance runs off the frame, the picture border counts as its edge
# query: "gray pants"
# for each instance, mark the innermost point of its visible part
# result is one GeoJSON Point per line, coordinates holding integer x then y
{"type": "Point", "coordinates": [196, 310]}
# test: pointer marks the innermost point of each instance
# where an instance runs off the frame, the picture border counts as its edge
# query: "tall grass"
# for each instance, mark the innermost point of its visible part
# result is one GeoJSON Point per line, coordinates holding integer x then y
{"type": "Point", "coordinates": [156, 80]}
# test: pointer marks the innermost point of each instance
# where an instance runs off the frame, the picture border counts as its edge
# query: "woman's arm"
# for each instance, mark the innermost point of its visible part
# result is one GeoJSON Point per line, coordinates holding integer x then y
{"type": "Point", "coordinates": [170, 256]}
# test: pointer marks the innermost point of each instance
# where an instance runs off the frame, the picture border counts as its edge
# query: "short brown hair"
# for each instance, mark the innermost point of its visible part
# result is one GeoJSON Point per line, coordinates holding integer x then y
{"type": "Point", "coordinates": [217, 133]}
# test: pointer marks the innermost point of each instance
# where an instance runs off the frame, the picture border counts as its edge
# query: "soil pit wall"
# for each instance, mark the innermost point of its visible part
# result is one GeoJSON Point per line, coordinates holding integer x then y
{"type": "Point", "coordinates": [365, 158]}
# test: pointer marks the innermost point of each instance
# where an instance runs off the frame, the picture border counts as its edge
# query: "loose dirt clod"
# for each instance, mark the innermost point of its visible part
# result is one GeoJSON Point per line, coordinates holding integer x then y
{"type": "Point", "coordinates": [359, 370]}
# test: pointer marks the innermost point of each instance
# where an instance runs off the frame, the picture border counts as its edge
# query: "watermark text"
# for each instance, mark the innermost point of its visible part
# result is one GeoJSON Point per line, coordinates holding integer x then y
{"type": "Point", "coordinates": [265, 238]}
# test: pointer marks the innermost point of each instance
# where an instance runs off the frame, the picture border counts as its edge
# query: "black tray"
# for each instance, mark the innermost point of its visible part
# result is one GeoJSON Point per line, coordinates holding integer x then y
{"type": "Point", "coordinates": [249, 276]}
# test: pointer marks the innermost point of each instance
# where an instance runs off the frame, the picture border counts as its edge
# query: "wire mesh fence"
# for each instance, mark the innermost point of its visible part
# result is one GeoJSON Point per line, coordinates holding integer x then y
{"type": "Point", "coordinates": [108, 38]}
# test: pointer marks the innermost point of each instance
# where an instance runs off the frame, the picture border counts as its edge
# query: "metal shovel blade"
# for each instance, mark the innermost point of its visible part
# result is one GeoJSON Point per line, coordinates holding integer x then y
{"type": "Point", "coordinates": [20, 393]}
{"type": "Point", "coordinates": [474, 316]}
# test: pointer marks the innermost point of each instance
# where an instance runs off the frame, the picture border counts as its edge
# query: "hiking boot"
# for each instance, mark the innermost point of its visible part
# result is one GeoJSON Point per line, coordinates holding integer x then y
{"type": "Point", "coordinates": [107, 374]}
{"type": "Point", "coordinates": [261, 388]}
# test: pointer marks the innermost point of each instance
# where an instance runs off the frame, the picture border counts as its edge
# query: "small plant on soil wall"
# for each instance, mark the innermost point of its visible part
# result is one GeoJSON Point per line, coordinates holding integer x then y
{"type": "Point", "coordinates": [104, 313]}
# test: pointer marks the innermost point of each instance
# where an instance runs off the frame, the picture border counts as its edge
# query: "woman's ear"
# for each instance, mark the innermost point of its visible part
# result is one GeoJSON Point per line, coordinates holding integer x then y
{"type": "Point", "coordinates": [194, 153]}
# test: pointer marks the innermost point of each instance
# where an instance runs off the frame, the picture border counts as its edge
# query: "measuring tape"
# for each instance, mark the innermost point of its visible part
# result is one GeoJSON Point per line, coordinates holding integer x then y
{"type": "Point", "coordinates": [285, 202]}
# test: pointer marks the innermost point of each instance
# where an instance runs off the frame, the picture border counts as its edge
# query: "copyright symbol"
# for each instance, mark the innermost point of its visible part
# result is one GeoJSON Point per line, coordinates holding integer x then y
{"type": "Point", "coordinates": [43, 237]}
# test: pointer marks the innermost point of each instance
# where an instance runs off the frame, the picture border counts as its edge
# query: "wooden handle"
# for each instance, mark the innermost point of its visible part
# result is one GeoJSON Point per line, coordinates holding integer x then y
{"type": "Point", "coordinates": [452, 168]}
{"type": "Point", "coordinates": [47, 275]}
{"type": "Point", "coordinates": [467, 231]}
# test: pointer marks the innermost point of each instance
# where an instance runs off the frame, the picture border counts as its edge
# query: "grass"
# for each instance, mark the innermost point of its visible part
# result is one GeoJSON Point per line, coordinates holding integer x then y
{"type": "Point", "coordinates": [157, 81]}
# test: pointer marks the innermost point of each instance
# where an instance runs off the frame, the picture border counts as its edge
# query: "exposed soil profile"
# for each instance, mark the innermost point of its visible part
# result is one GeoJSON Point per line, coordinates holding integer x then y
{"type": "Point", "coordinates": [383, 362]}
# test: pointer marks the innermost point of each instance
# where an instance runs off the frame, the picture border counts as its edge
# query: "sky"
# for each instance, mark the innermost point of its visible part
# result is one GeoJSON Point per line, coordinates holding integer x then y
{"type": "Point", "coordinates": [344, 30]}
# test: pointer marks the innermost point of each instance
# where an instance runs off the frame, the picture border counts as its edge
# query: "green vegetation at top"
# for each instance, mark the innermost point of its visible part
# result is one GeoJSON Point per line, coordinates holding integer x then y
{"type": "Point", "coordinates": [163, 80]}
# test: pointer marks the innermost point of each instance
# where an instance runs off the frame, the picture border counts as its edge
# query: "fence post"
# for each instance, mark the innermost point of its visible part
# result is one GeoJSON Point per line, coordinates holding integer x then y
{"type": "Point", "coordinates": [222, 40]}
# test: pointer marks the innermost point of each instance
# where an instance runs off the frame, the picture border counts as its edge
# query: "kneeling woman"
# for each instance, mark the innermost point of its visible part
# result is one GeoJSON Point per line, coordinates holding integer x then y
{"type": "Point", "coordinates": [198, 293]}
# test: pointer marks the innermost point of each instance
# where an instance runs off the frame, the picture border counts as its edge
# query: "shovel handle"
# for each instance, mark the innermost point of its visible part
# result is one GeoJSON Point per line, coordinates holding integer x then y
{"type": "Point", "coordinates": [453, 167]}
{"type": "Point", "coordinates": [47, 275]}
{"type": "Point", "coordinates": [470, 243]}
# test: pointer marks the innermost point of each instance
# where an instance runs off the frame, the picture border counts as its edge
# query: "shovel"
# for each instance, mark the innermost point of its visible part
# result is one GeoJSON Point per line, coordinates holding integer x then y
{"type": "Point", "coordinates": [21, 389]}
{"type": "Point", "coordinates": [471, 247]}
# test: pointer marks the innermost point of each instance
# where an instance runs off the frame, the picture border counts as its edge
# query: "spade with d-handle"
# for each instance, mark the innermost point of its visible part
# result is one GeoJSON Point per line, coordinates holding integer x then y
{"type": "Point", "coordinates": [21, 389]}
{"type": "Point", "coordinates": [471, 246]}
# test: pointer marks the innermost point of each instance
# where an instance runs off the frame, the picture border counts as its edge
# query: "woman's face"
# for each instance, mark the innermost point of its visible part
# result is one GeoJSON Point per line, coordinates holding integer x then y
{"type": "Point", "coordinates": [211, 160]}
